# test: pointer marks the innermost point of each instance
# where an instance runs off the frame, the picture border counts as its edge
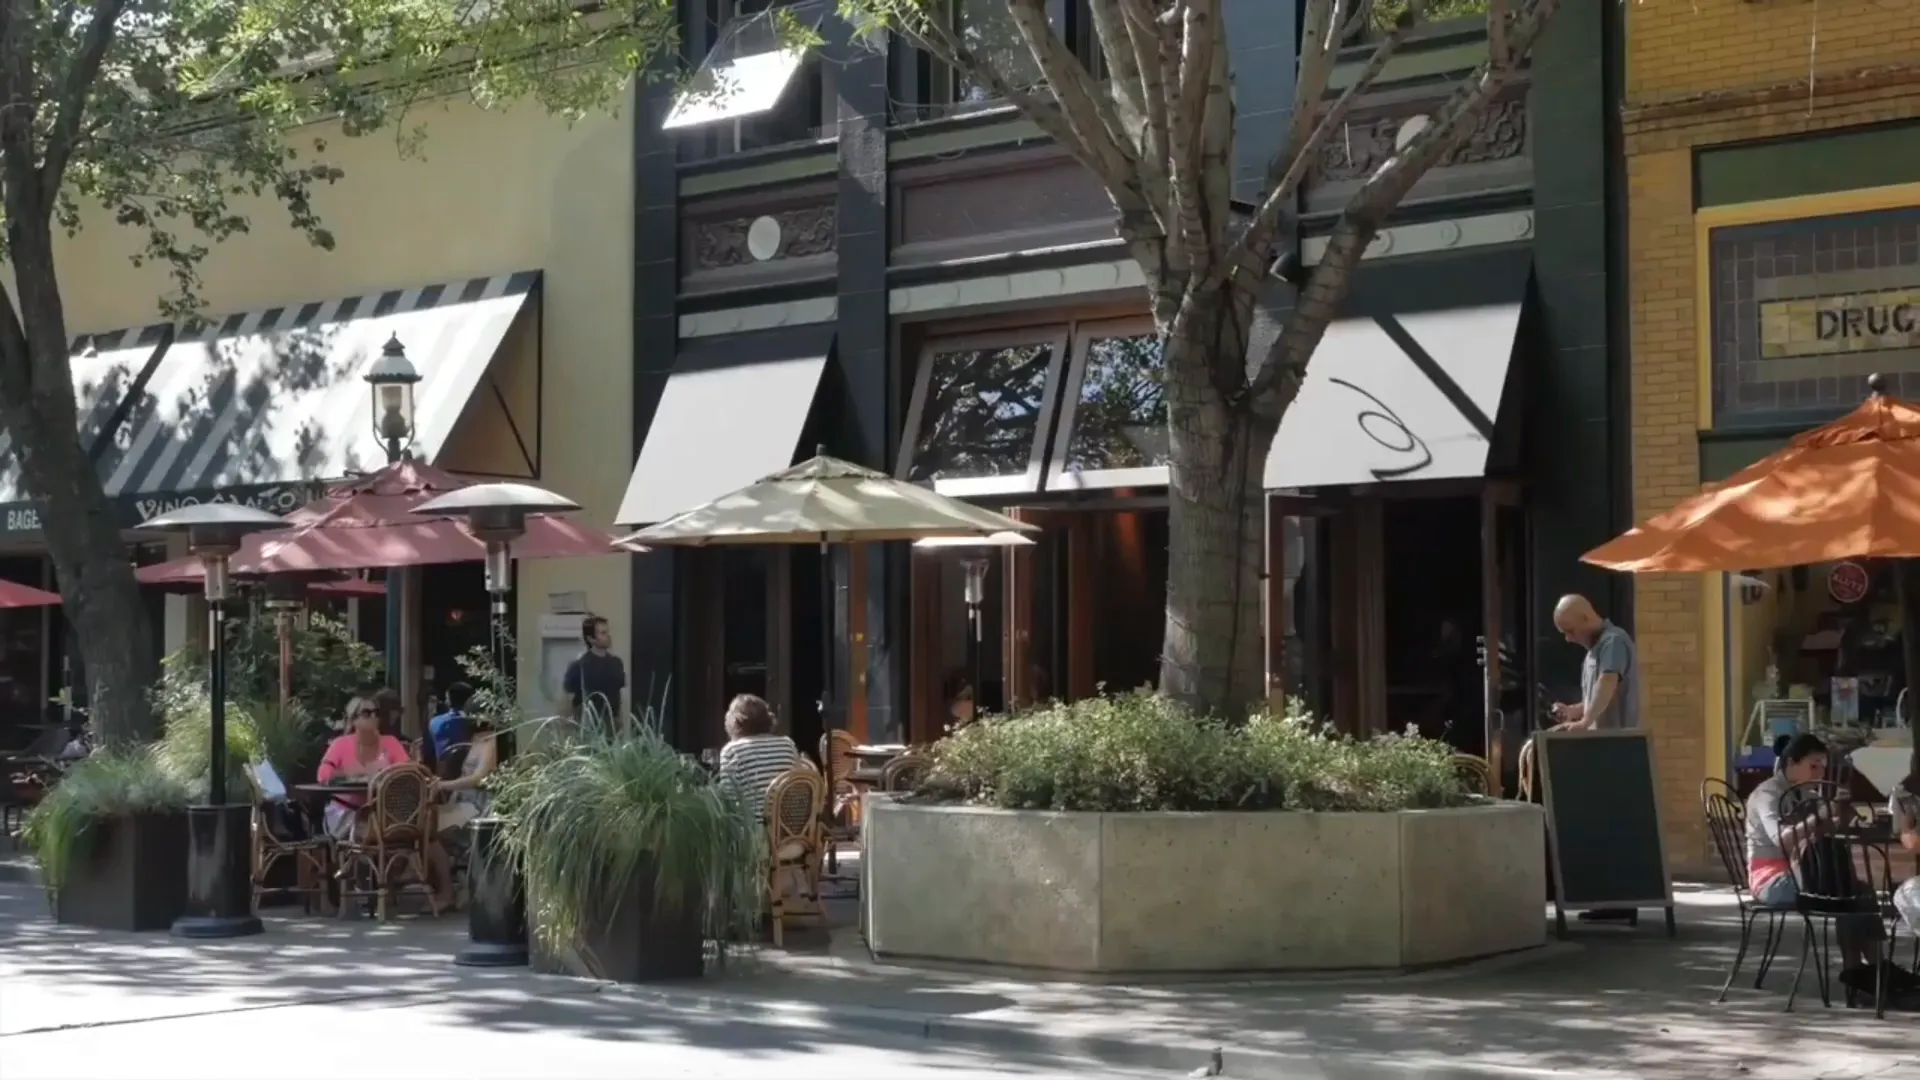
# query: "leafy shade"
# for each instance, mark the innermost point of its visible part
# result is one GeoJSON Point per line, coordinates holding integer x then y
{"type": "Point", "coordinates": [329, 666]}
{"type": "Point", "coordinates": [1144, 752]}
{"type": "Point", "coordinates": [116, 781]}
{"type": "Point", "coordinates": [292, 740]}
{"type": "Point", "coordinates": [593, 808]}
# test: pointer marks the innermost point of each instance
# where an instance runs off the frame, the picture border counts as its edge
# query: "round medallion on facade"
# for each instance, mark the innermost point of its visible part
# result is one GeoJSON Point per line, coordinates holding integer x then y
{"type": "Point", "coordinates": [1413, 126]}
{"type": "Point", "coordinates": [763, 238]}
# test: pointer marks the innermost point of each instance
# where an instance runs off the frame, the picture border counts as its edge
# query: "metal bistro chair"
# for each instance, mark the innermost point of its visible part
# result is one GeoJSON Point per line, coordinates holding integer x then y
{"type": "Point", "coordinates": [904, 772]}
{"type": "Point", "coordinates": [795, 838]}
{"type": "Point", "coordinates": [1830, 889]}
{"type": "Point", "coordinates": [1727, 823]}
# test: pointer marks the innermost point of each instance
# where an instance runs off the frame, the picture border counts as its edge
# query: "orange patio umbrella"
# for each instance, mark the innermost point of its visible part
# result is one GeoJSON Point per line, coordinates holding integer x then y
{"type": "Point", "coordinates": [1848, 490]}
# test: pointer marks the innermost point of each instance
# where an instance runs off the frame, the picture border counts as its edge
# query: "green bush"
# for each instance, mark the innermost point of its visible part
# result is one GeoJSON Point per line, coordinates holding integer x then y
{"type": "Point", "coordinates": [111, 782]}
{"type": "Point", "coordinates": [328, 667]}
{"type": "Point", "coordinates": [1143, 752]}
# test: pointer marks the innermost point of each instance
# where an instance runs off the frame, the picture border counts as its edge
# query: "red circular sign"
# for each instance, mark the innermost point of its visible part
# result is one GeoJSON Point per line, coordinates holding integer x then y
{"type": "Point", "coordinates": [1849, 582]}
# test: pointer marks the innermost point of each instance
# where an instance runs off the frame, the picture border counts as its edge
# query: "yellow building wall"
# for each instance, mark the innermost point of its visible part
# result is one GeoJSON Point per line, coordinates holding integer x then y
{"type": "Point", "coordinates": [1698, 75]}
{"type": "Point", "coordinates": [490, 192]}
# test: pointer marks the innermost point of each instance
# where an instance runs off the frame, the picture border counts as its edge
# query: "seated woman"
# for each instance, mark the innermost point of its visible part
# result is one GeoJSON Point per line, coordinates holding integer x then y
{"type": "Point", "coordinates": [1904, 807]}
{"type": "Point", "coordinates": [754, 756]}
{"type": "Point", "coordinates": [957, 692]}
{"type": "Point", "coordinates": [359, 754]}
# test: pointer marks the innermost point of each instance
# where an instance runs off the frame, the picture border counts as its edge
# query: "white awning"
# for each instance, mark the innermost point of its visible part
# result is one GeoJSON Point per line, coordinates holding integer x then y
{"type": "Point", "coordinates": [276, 396]}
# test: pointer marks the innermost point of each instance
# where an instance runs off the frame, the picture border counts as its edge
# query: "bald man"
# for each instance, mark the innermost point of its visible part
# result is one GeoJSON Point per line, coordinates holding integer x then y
{"type": "Point", "coordinates": [1609, 677]}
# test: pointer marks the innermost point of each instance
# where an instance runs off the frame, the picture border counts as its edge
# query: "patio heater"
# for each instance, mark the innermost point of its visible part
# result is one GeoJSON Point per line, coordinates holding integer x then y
{"type": "Point", "coordinates": [286, 595]}
{"type": "Point", "coordinates": [219, 833]}
{"type": "Point", "coordinates": [497, 515]}
{"type": "Point", "coordinates": [974, 593]}
{"type": "Point", "coordinates": [392, 379]}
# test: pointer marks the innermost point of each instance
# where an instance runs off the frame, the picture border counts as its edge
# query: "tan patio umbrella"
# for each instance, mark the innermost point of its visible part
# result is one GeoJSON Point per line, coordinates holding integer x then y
{"type": "Point", "coordinates": [826, 501]}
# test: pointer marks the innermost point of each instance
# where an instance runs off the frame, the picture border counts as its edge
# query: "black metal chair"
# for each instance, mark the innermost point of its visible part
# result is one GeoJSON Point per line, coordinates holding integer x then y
{"type": "Point", "coordinates": [1727, 823]}
{"type": "Point", "coordinates": [1813, 819]}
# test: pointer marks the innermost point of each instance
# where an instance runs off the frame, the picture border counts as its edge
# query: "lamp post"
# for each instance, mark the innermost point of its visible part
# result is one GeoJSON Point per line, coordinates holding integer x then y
{"type": "Point", "coordinates": [391, 380]}
{"type": "Point", "coordinates": [219, 833]}
{"type": "Point", "coordinates": [497, 515]}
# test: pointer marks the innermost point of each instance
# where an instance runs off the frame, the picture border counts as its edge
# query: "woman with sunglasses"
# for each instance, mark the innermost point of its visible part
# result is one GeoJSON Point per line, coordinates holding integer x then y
{"type": "Point", "coordinates": [362, 752]}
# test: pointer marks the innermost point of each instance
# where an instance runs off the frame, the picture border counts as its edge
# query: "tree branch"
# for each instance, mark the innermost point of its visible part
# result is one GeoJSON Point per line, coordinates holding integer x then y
{"type": "Point", "coordinates": [1252, 250]}
{"type": "Point", "coordinates": [1366, 211]}
{"type": "Point", "coordinates": [71, 103]}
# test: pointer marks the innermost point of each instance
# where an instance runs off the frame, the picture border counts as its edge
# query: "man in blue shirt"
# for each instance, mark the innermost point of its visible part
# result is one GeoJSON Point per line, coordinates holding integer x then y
{"type": "Point", "coordinates": [450, 728]}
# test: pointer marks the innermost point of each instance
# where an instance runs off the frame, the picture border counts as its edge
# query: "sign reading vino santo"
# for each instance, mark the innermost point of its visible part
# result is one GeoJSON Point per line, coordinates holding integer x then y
{"type": "Point", "coordinates": [1861, 322]}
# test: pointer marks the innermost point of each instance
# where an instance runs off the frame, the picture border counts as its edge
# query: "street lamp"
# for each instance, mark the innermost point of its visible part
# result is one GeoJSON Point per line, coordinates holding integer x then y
{"type": "Point", "coordinates": [392, 378]}
{"type": "Point", "coordinates": [219, 834]}
{"type": "Point", "coordinates": [497, 903]}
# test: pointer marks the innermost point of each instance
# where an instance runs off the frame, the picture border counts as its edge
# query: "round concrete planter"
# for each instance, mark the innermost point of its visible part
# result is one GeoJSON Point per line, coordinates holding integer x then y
{"type": "Point", "coordinates": [1207, 892]}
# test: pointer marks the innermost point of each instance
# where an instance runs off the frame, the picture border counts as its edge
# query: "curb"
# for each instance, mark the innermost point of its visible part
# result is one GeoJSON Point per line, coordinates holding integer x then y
{"type": "Point", "coordinates": [1175, 1058]}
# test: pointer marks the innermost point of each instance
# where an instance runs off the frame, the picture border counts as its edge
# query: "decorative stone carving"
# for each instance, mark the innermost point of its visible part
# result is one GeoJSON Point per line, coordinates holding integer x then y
{"type": "Point", "coordinates": [803, 231]}
{"type": "Point", "coordinates": [1367, 142]}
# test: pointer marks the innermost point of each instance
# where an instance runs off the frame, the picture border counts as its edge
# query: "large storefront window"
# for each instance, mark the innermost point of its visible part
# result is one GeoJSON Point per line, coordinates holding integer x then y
{"type": "Point", "coordinates": [1804, 310]}
{"type": "Point", "coordinates": [1814, 646]}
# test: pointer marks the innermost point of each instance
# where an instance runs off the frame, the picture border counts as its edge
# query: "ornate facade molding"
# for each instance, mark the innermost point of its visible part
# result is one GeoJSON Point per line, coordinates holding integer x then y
{"type": "Point", "coordinates": [1368, 141]}
{"type": "Point", "coordinates": [796, 233]}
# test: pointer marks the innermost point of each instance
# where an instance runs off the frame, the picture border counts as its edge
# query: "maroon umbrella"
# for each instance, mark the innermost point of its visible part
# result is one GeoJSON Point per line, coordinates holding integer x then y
{"type": "Point", "coordinates": [15, 595]}
{"type": "Point", "coordinates": [369, 523]}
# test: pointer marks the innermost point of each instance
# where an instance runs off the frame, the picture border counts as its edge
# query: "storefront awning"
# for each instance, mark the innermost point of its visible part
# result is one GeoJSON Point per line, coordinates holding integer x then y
{"type": "Point", "coordinates": [106, 368]}
{"type": "Point", "coordinates": [1408, 386]}
{"type": "Point", "coordinates": [731, 413]}
{"type": "Point", "coordinates": [276, 396]}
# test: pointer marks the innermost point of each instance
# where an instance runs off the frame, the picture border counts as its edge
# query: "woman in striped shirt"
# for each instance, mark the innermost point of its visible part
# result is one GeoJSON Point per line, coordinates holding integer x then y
{"type": "Point", "coordinates": [754, 756]}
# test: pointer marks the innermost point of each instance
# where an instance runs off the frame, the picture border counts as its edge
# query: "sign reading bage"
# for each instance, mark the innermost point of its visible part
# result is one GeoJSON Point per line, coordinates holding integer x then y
{"type": "Point", "coordinates": [1861, 322]}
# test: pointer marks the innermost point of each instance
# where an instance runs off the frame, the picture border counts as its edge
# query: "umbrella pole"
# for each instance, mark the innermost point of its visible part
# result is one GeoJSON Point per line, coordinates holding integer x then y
{"type": "Point", "coordinates": [826, 699]}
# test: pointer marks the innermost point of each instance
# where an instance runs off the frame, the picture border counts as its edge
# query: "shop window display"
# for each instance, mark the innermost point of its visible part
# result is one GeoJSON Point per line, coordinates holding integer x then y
{"type": "Point", "coordinates": [1817, 647]}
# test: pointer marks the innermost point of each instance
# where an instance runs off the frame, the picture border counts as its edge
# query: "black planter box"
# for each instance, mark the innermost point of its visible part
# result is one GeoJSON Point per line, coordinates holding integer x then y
{"type": "Point", "coordinates": [627, 941]}
{"type": "Point", "coordinates": [132, 876]}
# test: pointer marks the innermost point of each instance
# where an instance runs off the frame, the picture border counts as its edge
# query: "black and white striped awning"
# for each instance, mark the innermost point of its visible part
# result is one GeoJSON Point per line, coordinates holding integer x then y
{"type": "Point", "coordinates": [105, 368]}
{"type": "Point", "coordinates": [276, 396]}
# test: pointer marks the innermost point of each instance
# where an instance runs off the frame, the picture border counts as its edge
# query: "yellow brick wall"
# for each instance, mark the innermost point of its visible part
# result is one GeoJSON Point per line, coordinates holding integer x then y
{"type": "Point", "coordinates": [1700, 46]}
{"type": "Point", "coordinates": [1701, 73]}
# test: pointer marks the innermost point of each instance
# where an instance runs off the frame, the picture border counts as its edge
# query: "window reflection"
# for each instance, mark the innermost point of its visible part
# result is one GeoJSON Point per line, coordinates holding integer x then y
{"type": "Point", "coordinates": [987, 29]}
{"type": "Point", "coordinates": [980, 412]}
{"type": "Point", "coordinates": [1120, 418]}
{"type": "Point", "coordinates": [23, 635]}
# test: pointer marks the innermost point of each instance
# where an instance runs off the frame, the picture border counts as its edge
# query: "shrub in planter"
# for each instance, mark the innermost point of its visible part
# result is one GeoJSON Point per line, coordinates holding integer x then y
{"type": "Point", "coordinates": [292, 739]}
{"type": "Point", "coordinates": [1144, 752]}
{"type": "Point", "coordinates": [632, 858]}
{"type": "Point", "coordinates": [111, 839]}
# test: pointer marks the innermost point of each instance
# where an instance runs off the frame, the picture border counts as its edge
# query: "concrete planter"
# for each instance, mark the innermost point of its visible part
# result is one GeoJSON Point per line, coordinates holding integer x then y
{"type": "Point", "coordinates": [1209, 892]}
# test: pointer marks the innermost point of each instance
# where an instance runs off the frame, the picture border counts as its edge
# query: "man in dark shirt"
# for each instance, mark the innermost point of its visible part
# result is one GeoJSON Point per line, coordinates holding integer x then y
{"type": "Point", "coordinates": [597, 680]}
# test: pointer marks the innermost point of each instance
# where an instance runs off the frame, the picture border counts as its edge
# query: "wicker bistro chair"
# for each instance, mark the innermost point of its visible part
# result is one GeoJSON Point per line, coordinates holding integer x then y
{"type": "Point", "coordinates": [1727, 823]}
{"type": "Point", "coordinates": [1474, 772]}
{"type": "Point", "coordinates": [903, 772]}
{"type": "Point", "coordinates": [796, 843]}
{"type": "Point", "coordinates": [843, 821]}
{"type": "Point", "coordinates": [311, 854]}
{"type": "Point", "coordinates": [389, 852]}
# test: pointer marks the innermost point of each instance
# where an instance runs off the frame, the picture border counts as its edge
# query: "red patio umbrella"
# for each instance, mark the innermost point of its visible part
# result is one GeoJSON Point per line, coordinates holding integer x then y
{"type": "Point", "coordinates": [16, 595]}
{"type": "Point", "coordinates": [368, 523]}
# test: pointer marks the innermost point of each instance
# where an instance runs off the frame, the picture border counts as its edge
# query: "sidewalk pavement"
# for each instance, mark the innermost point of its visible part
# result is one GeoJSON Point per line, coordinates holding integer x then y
{"type": "Point", "coordinates": [1613, 1004]}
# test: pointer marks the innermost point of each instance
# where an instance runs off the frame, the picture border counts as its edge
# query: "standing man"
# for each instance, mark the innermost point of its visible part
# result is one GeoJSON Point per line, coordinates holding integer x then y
{"type": "Point", "coordinates": [1609, 690]}
{"type": "Point", "coordinates": [597, 680]}
{"type": "Point", "coordinates": [1609, 676]}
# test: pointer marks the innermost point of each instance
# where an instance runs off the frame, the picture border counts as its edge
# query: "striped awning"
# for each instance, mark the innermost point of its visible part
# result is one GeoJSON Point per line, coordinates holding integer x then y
{"type": "Point", "coordinates": [105, 368]}
{"type": "Point", "coordinates": [276, 396]}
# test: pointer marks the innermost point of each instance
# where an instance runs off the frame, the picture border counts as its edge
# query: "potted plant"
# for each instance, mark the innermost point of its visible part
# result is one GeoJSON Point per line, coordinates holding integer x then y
{"type": "Point", "coordinates": [111, 839]}
{"type": "Point", "coordinates": [632, 858]}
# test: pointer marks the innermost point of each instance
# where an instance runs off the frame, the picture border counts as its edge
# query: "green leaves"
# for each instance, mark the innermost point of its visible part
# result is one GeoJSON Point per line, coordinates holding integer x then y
{"type": "Point", "coordinates": [1144, 752]}
{"type": "Point", "coordinates": [591, 806]}
{"type": "Point", "coordinates": [111, 782]}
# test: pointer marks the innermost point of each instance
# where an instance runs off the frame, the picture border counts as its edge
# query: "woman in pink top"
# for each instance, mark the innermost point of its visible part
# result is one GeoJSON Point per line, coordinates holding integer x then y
{"type": "Point", "coordinates": [358, 754]}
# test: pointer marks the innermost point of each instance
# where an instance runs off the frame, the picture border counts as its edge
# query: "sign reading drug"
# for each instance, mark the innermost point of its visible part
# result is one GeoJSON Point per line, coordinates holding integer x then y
{"type": "Point", "coordinates": [1822, 325]}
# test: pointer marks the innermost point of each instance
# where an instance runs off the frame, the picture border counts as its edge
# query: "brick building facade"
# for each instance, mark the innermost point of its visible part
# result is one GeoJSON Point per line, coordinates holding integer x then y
{"type": "Point", "coordinates": [1773, 166]}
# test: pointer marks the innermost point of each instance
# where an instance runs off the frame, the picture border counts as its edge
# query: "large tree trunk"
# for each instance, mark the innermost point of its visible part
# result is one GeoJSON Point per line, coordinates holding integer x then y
{"type": "Point", "coordinates": [101, 599]}
{"type": "Point", "coordinates": [1214, 657]}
